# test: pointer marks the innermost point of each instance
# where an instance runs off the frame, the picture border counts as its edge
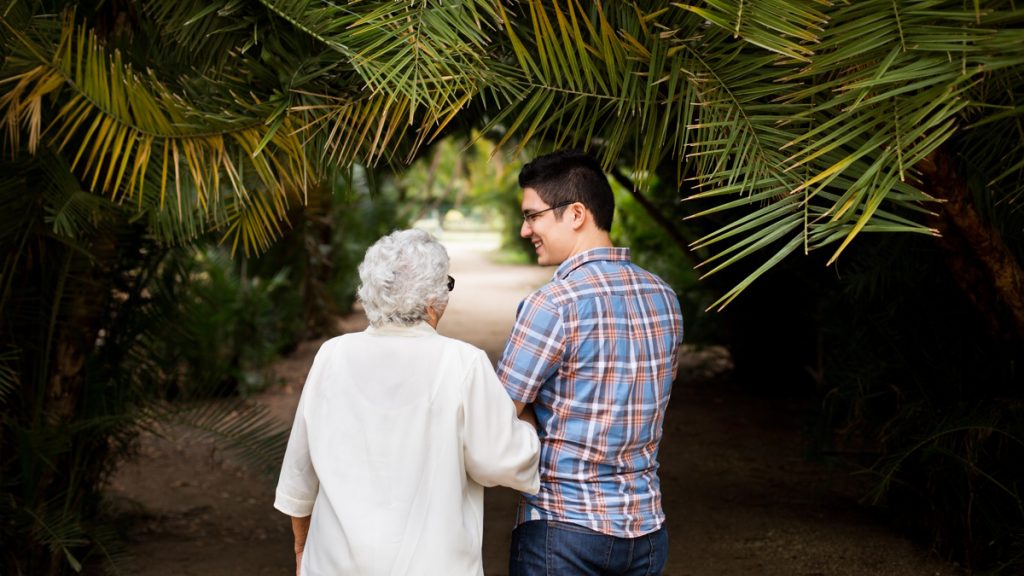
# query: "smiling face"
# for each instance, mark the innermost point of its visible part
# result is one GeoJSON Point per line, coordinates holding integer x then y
{"type": "Point", "coordinates": [552, 237]}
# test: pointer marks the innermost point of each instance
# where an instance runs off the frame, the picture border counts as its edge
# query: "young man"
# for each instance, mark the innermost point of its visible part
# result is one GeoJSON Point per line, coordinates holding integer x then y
{"type": "Point", "coordinates": [593, 353]}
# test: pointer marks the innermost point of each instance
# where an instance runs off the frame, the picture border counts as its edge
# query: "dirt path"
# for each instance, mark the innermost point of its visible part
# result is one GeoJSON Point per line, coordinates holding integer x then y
{"type": "Point", "coordinates": [740, 497]}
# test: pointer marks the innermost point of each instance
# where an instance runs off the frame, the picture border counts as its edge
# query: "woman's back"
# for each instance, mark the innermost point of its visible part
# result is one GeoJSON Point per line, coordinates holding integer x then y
{"type": "Point", "coordinates": [396, 432]}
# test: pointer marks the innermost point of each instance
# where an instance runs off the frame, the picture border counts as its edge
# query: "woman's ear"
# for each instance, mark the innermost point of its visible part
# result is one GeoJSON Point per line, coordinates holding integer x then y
{"type": "Point", "coordinates": [433, 316]}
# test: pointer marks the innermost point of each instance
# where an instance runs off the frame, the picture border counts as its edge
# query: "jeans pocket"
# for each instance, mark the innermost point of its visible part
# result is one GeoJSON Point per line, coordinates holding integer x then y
{"type": "Point", "coordinates": [574, 549]}
{"type": "Point", "coordinates": [658, 558]}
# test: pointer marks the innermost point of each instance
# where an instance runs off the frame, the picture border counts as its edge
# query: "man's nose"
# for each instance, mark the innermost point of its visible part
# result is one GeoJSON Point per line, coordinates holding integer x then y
{"type": "Point", "coordinates": [525, 231]}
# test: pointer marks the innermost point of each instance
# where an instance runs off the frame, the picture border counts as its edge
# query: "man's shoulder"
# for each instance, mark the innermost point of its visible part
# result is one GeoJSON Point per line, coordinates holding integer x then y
{"type": "Point", "coordinates": [556, 293]}
{"type": "Point", "coordinates": [594, 279]}
{"type": "Point", "coordinates": [651, 278]}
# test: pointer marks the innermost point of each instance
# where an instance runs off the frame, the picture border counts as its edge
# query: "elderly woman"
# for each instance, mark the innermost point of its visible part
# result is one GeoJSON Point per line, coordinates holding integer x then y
{"type": "Point", "coordinates": [398, 430]}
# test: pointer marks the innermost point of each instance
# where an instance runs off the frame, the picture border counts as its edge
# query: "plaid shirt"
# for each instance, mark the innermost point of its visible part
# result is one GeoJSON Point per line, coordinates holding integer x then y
{"type": "Point", "coordinates": [594, 351]}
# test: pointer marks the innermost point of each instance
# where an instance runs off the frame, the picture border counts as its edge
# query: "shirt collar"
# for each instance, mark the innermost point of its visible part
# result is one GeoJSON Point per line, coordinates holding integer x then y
{"type": "Point", "coordinates": [592, 255]}
{"type": "Point", "coordinates": [420, 329]}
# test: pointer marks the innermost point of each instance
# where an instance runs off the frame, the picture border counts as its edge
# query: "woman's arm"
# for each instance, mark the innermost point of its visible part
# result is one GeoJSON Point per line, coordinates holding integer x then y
{"type": "Point", "coordinates": [298, 484]}
{"type": "Point", "coordinates": [300, 529]}
{"type": "Point", "coordinates": [499, 448]}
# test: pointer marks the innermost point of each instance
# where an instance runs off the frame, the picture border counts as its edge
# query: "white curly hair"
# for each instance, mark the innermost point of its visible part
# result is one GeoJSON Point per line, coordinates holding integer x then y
{"type": "Point", "coordinates": [401, 275]}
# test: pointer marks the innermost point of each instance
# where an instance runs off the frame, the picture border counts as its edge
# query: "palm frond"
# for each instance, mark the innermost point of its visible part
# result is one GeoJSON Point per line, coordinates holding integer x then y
{"type": "Point", "coordinates": [9, 374]}
{"type": "Point", "coordinates": [70, 211]}
{"type": "Point", "coordinates": [211, 32]}
{"type": "Point", "coordinates": [344, 130]}
{"type": "Point", "coordinates": [125, 126]}
{"type": "Point", "coordinates": [61, 532]}
{"type": "Point", "coordinates": [993, 144]}
{"type": "Point", "coordinates": [599, 73]}
{"type": "Point", "coordinates": [246, 429]}
{"type": "Point", "coordinates": [788, 28]}
{"type": "Point", "coordinates": [885, 85]}
{"type": "Point", "coordinates": [889, 93]}
{"type": "Point", "coordinates": [254, 221]}
{"type": "Point", "coordinates": [416, 64]}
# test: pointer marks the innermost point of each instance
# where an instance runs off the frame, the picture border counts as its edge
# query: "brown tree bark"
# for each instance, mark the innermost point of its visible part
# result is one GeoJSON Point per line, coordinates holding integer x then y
{"type": "Point", "coordinates": [982, 264]}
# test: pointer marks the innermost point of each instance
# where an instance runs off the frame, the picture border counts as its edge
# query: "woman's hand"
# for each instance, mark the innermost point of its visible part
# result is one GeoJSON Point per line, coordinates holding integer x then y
{"type": "Point", "coordinates": [300, 529]}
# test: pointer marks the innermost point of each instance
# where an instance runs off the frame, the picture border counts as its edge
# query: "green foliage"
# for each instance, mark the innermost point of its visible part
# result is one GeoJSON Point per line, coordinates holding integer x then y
{"type": "Point", "coordinates": [80, 367]}
{"type": "Point", "coordinates": [326, 242]}
{"type": "Point", "coordinates": [65, 410]}
{"type": "Point", "coordinates": [368, 208]}
{"type": "Point", "coordinates": [123, 127]}
{"type": "Point", "coordinates": [223, 327]}
{"type": "Point", "coordinates": [806, 123]}
{"type": "Point", "coordinates": [917, 387]}
{"type": "Point", "coordinates": [473, 177]}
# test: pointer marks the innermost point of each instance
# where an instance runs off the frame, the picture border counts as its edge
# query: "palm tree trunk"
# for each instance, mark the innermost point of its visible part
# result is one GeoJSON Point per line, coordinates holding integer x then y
{"type": "Point", "coordinates": [82, 289]}
{"type": "Point", "coordinates": [981, 262]}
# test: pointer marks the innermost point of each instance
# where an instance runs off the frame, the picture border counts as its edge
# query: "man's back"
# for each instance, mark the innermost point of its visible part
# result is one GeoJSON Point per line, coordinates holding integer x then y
{"type": "Point", "coordinates": [593, 354]}
{"type": "Point", "coordinates": [594, 351]}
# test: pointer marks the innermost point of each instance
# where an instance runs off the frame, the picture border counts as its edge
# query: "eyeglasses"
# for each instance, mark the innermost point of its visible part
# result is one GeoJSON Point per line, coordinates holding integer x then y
{"type": "Point", "coordinates": [451, 283]}
{"type": "Point", "coordinates": [531, 217]}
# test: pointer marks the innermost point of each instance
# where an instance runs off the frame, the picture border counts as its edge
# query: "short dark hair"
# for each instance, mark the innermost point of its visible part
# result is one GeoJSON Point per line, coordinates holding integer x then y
{"type": "Point", "coordinates": [571, 176]}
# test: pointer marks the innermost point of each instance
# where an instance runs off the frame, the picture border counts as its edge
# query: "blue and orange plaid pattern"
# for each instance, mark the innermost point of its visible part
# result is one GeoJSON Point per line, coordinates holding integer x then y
{"type": "Point", "coordinates": [594, 351]}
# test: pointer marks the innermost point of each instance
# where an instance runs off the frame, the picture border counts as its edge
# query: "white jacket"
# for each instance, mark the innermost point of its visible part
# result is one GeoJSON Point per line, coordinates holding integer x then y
{"type": "Point", "coordinates": [397, 431]}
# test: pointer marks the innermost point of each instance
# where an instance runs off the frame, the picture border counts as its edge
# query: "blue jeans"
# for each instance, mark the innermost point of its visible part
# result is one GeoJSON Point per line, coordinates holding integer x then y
{"type": "Point", "coordinates": [549, 548]}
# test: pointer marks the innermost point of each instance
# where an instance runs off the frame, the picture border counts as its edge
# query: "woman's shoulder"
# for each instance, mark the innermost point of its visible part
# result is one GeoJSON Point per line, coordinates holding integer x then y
{"type": "Point", "coordinates": [460, 347]}
{"type": "Point", "coordinates": [335, 345]}
{"type": "Point", "coordinates": [336, 341]}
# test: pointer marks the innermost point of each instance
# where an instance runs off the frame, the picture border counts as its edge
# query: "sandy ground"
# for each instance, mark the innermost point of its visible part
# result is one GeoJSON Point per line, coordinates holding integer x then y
{"type": "Point", "coordinates": [740, 496]}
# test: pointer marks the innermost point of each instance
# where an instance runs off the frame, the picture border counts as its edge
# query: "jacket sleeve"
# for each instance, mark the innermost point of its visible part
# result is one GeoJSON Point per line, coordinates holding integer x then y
{"type": "Point", "coordinates": [298, 484]}
{"type": "Point", "coordinates": [499, 448]}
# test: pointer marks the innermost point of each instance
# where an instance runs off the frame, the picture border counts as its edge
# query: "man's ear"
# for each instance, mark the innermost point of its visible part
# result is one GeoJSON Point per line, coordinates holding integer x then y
{"type": "Point", "coordinates": [578, 213]}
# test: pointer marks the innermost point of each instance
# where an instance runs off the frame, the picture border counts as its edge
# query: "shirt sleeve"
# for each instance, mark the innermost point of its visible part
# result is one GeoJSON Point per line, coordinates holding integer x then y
{"type": "Point", "coordinates": [534, 350]}
{"type": "Point", "coordinates": [298, 484]}
{"type": "Point", "coordinates": [499, 448]}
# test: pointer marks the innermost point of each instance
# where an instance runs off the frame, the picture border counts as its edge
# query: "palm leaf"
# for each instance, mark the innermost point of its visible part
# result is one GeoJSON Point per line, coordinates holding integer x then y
{"type": "Point", "coordinates": [212, 33]}
{"type": "Point", "coordinates": [881, 91]}
{"type": "Point", "coordinates": [61, 533]}
{"type": "Point", "coordinates": [9, 374]}
{"type": "Point", "coordinates": [125, 126]}
{"type": "Point", "coordinates": [414, 64]}
{"type": "Point", "coordinates": [783, 27]}
{"type": "Point", "coordinates": [245, 429]}
{"type": "Point", "coordinates": [598, 72]}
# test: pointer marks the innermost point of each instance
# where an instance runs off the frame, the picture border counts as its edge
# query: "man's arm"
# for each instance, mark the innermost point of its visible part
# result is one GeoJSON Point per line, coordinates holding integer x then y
{"type": "Point", "coordinates": [300, 529]}
{"type": "Point", "coordinates": [525, 413]}
{"type": "Point", "coordinates": [533, 352]}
